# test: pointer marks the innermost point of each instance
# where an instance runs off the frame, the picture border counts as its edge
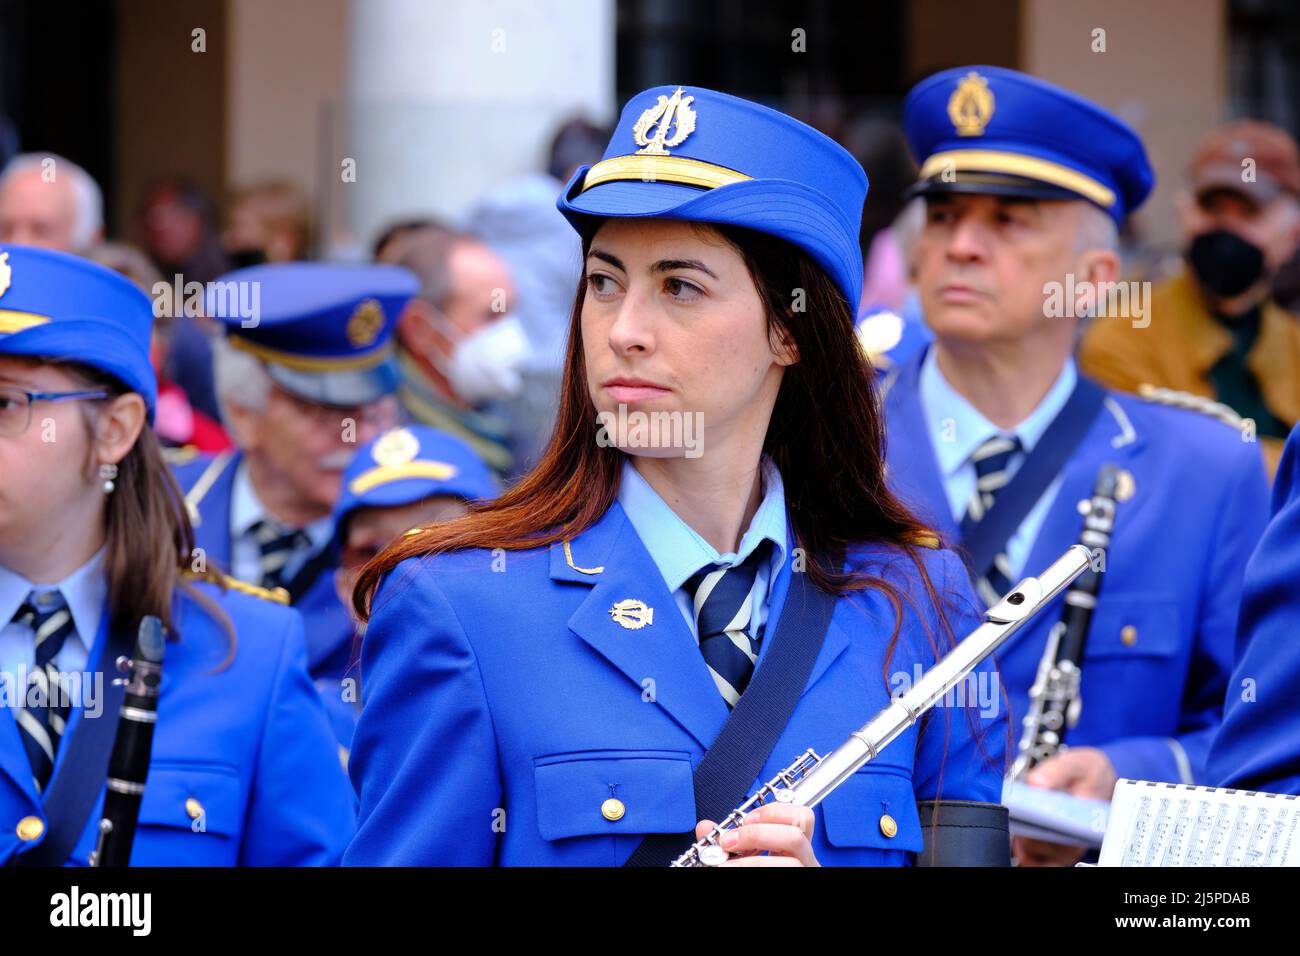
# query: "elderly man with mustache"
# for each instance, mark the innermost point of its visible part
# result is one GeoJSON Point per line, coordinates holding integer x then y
{"type": "Point", "coordinates": [305, 374]}
{"type": "Point", "coordinates": [997, 440]}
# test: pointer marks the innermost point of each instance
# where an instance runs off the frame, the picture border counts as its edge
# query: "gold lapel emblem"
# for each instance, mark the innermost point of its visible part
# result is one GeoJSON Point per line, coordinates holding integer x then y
{"type": "Point", "coordinates": [396, 447]}
{"type": "Point", "coordinates": [632, 614]}
{"type": "Point", "coordinates": [1125, 486]}
{"type": "Point", "coordinates": [971, 105]}
{"type": "Point", "coordinates": [6, 272]}
{"type": "Point", "coordinates": [366, 323]}
{"type": "Point", "coordinates": [674, 111]}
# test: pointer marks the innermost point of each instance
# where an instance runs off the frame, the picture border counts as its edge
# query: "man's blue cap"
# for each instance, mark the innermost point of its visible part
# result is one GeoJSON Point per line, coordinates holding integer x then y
{"type": "Point", "coordinates": [58, 306]}
{"type": "Point", "coordinates": [324, 331]}
{"type": "Point", "coordinates": [984, 129]}
{"type": "Point", "coordinates": [703, 156]}
{"type": "Point", "coordinates": [409, 464]}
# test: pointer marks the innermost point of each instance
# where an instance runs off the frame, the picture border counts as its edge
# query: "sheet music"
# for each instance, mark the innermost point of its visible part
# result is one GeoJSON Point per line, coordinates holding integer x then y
{"type": "Point", "coordinates": [1164, 824]}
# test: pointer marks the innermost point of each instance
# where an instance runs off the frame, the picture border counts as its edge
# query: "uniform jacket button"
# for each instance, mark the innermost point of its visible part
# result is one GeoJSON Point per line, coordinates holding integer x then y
{"type": "Point", "coordinates": [30, 828]}
{"type": "Point", "coordinates": [612, 809]}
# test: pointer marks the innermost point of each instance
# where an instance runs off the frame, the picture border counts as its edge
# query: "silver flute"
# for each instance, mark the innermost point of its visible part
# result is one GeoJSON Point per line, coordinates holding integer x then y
{"type": "Point", "coordinates": [808, 781]}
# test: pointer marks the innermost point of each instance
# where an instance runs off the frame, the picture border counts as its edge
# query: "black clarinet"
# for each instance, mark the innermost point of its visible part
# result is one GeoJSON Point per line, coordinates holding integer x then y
{"type": "Point", "coordinates": [128, 766]}
{"type": "Point", "coordinates": [1054, 698]}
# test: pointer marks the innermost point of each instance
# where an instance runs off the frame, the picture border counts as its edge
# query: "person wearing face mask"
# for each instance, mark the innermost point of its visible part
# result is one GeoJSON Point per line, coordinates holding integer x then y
{"type": "Point", "coordinates": [305, 375]}
{"type": "Point", "coordinates": [459, 348]}
{"type": "Point", "coordinates": [1215, 330]}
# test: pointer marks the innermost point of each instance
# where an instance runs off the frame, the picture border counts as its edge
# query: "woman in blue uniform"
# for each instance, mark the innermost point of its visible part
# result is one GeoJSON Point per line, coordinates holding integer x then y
{"type": "Point", "coordinates": [542, 678]}
{"type": "Point", "coordinates": [93, 537]}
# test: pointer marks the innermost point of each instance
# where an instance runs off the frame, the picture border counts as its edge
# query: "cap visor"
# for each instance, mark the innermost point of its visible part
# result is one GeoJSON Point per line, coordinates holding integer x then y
{"type": "Point", "coordinates": [345, 388]}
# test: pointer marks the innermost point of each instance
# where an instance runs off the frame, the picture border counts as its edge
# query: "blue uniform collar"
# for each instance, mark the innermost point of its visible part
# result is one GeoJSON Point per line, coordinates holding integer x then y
{"type": "Point", "coordinates": [85, 590]}
{"type": "Point", "coordinates": [957, 428]}
{"type": "Point", "coordinates": [677, 549]}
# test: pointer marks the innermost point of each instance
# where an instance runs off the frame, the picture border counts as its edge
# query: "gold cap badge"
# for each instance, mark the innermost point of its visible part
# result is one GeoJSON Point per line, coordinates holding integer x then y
{"type": "Point", "coordinates": [365, 324]}
{"type": "Point", "coordinates": [632, 614]}
{"type": "Point", "coordinates": [396, 447]}
{"type": "Point", "coordinates": [674, 111]}
{"type": "Point", "coordinates": [971, 105]}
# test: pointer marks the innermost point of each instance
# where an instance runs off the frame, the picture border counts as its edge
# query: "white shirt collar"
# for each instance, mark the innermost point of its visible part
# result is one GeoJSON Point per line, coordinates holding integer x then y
{"type": "Point", "coordinates": [85, 590]}
{"type": "Point", "coordinates": [957, 427]}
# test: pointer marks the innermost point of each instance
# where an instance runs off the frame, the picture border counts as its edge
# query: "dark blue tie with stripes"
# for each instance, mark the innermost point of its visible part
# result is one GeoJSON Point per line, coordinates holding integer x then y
{"type": "Point", "coordinates": [992, 460]}
{"type": "Point", "coordinates": [44, 715]}
{"type": "Point", "coordinates": [723, 601]}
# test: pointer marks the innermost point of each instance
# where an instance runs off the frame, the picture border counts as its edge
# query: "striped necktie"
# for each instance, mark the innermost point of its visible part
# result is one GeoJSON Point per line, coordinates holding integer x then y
{"type": "Point", "coordinates": [723, 598]}
{"type": "Point", "coordinates": [277, 546]}
{"type": "Point", "coordinates": [41, 726]}
{"type": "Point", "coordinates": [991, 460]}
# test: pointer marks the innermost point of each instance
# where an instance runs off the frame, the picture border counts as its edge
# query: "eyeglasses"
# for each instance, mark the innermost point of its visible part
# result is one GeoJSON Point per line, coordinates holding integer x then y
{"type": "Point", "coordinates": [16, 406]}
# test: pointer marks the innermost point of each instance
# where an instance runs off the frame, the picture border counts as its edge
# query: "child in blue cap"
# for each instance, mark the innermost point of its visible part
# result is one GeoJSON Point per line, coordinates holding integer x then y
{"type": "Point", "coordinates": [568, 653]}
{"type": "Point", "coordinates": [94, 536]}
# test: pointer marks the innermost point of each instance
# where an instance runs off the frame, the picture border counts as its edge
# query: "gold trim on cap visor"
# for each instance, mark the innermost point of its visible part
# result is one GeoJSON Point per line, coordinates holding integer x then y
{"type": "Point", "coordinates": [11, 321]}
{"type": "Point", "coordinates": [305, 363]}
{"type": "Point", "coordinates": [436, 470]}
{"type": "Point", "coordinates": [1017, 164]}
{"type": "Point", "coordinates": [661, 169]}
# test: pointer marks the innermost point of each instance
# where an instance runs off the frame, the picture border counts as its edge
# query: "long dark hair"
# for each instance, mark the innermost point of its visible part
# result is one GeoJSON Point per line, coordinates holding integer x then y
{"type": "Point", "coordinates": [149, 539]}
{"type": "Point", "coordinates": [826, 435]}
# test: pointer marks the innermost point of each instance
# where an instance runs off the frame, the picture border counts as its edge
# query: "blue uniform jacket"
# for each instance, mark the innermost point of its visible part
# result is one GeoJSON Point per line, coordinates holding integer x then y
{"type": "Point", "coordinates": [502, 707]}
{"type": "Point", "coordinates": [329, 630]}
{"type": "Point", "coordinates": [1161, 640]}
{"type": "Point", "coordinates": [1258, 745]}
{"type": "Point", "coordinates": [249, 741]}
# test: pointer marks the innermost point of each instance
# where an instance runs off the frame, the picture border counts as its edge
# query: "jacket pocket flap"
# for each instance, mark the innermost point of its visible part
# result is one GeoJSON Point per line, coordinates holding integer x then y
{"type": "Point", "coordinates": [203, 798]}
{"type": "Point", "coordinates": [614, 792]}
{"type": "Point", "coordinates": [873, 808]}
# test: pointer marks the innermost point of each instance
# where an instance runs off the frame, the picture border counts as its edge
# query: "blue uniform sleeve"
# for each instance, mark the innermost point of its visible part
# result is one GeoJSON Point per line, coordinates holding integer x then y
{"type": "Point", "coordinates": [301, 811]}
{"type": "Point", "coordinates": [424, 757]}
{"type": "Point", "coordinates": [1241, 517]}
{"type": "Point", "coordinates": [961, 750]}
{"type": "Point", "coordinates": [1258, 747]}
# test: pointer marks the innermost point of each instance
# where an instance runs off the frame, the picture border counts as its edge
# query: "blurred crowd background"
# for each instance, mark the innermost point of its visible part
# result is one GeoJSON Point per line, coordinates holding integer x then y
{"type": "Point", "coordinates": [203, 135]}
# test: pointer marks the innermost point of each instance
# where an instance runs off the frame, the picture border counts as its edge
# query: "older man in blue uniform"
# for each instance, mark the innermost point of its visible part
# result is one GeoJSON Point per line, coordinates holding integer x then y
{"type": "Point", "coordinates": [305, 375]}
{"type": "Point", "coordinates": [996, 438]}
{"type": "Point", "coordinates": [1258, 745]}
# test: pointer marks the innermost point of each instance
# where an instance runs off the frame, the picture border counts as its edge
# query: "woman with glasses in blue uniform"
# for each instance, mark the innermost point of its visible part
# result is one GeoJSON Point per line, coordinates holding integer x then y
{"type": "Point", "coordinates": [94, 536]}
{"type": "Point", "coordinates": [543, 677]}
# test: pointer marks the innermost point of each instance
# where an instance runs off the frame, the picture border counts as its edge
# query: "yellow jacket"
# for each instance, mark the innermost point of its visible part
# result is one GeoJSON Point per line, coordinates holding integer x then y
{"type": "Point", "coordinates": [1184, 341]}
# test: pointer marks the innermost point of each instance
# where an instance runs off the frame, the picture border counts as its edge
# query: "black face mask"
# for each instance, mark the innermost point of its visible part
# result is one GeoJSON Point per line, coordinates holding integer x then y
{"type": "Point", "coordinates": [1225, 264]}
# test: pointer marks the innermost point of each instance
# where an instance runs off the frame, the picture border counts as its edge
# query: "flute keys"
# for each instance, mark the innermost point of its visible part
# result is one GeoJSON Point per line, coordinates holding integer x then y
{"type": "Point", "coordinates": [29, 829]}
{"type": "Point", "coordinates": [888, 826]}
{"type": "Point", "coordinates": [713, 855]}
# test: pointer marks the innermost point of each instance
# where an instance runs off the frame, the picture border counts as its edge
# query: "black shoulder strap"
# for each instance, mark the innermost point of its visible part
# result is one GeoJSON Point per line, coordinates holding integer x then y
{"type": "Point", "coordinates": [83, 770]}
{"type": "Point", "coordinates": [983, 539]}
{"type": "Point", "coordinates": [730, 766]}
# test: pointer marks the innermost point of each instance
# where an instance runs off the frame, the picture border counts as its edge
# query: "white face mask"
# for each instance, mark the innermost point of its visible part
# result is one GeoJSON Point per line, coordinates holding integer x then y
{"type": "Point", "coordinates": [485, 365]}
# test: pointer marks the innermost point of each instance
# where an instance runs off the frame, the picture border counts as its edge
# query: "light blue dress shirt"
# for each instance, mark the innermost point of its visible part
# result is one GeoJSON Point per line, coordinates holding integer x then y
{"type": "Point", "coordinates": [957, 429]}
{"type": "Point", "coordinates": [246, 509]}
{"type": "Point", "coordinates": [85, 591]}
{"type": "Point", "coordinates": [679, 551]}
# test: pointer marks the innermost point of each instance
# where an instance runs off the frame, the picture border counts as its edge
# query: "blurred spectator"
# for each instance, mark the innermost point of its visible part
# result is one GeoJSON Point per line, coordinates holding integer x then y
{"type": "Point", "coordinates": [1215, 329]}
{"type": "Point", "coordinates": [396, 231]}
{"type": "Point", "coordinates": [49, 201]}
{"type": "Point", "coordinates": [267, 222]}
{"type": "Point", "coordinates": [178, 226]}
{"type": "Point", "coordinates": [879, 146]}
{"type": "Point", "coordinates": [457, 346]}
{"type": "Point", "coordinates": [175, 421]}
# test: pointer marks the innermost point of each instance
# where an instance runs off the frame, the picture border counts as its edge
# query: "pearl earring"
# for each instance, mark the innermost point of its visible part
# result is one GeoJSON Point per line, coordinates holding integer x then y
{"type": "Point", "coordinates": [108, 472]}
